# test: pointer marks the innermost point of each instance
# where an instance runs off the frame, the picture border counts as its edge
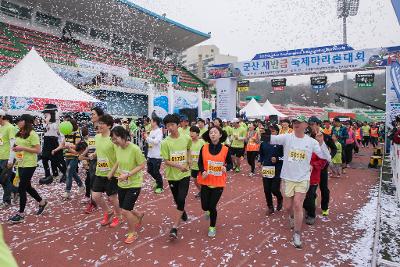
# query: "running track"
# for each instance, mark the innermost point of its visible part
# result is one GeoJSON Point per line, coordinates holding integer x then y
{"type": "Point", "coordinates": [64, 236]}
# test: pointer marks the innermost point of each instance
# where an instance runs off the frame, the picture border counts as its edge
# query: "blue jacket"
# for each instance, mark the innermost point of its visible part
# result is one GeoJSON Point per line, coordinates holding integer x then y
{"type": "Point", "coordinates": [268, 151]}
{"type": "Point", "coordinates": [341, 134]}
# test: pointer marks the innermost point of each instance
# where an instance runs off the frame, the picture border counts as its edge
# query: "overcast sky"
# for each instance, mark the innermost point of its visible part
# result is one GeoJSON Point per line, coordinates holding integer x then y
{"type": "Point", "coordinates": [244, 28]}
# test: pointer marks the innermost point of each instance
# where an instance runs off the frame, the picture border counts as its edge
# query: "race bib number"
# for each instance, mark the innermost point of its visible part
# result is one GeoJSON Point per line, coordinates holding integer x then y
{"type": "Point", "coordinates": [215, 168]}
{"type": "Point", "coordinates": [91, 143]}
{"type": "Point", "coordinates": [268, 171]}
{"type": "Point", "coordinates": [103, 165]}
{"type": "Point", "coordinates": [195, 155]}
{"type": "Point", "coordinates": [179, 157]}
{"type": "Point", "coordinates": [297, 155]}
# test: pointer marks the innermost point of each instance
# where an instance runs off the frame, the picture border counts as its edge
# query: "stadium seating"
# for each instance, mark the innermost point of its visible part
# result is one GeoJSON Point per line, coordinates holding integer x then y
{"type": "Point", "coordinates": [16, 41]}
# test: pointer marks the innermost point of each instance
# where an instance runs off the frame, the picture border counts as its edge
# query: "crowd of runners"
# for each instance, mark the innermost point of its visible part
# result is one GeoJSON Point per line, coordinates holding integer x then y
{"type": "Point", "coordinates": [301, 153]}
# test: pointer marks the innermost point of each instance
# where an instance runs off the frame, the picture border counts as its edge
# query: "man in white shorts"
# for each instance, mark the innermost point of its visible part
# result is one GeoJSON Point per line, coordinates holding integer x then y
{"type": "Point", "coordinates": [296, 169]}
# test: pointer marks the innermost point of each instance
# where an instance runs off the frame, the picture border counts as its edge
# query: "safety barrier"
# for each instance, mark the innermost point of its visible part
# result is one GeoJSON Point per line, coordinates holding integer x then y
{"type": "Point", "coordinates": [395, 161]}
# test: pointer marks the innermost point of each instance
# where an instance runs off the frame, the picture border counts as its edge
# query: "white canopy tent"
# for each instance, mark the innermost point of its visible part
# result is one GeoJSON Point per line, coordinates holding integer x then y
{"type": "Point", "coordinates": [34, 80]}
{"type": "Point", "coordinates": [253, 110]}
{"type": "Point", "coordinates": [269, 109]}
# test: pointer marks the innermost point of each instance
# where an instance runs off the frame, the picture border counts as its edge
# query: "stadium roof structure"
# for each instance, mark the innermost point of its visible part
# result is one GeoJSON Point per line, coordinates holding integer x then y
{"type": "Point", "coordinates": [125, 19]}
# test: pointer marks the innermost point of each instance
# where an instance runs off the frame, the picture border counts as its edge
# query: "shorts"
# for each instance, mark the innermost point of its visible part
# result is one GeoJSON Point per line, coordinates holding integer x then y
{"type": "Point", "coordinates": [102, 184]}
{"type": "Point", "coordinates": [291, 187]}
{"type": "Point", "coordinates": [127, 197]}
{"type": "Point", "coordinates": [194, 173]}
{"type": "Point", "coordinates": [237, 152]}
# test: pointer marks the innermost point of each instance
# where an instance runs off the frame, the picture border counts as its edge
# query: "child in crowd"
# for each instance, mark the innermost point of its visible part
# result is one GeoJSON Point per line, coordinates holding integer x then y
{"type": "Point", "coordinates": [337, 159]}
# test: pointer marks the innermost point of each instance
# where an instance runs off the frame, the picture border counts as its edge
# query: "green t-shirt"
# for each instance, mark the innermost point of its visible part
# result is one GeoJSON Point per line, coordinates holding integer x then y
{"type": "Point", "coordinates": [105, 151]}
{"type": "Point", "coordinates": [7, 132]}
{"type": "Point", "coordinates": [228, 130]}
{"type": "Point", "coordinates": [129, 158]}
{"type": "Point", "coordinates": [203, 131]}
{"type": "Point", "coordinates": [25, 159]}
{"type": "Point", "coordinates": [194, 153]}
{"type": "Point", "coordinates": [244, 126]}
{"type": "Point", "coordinates": [175, 149]}
{"type": "Point", "coordinates": [239, 132]}
{"type": "Point", "coordinates": [337, 159]}
{"type": "Point", "coordinates": [365, 130]}
{"type": "Point", "coordinates": [184, 131]}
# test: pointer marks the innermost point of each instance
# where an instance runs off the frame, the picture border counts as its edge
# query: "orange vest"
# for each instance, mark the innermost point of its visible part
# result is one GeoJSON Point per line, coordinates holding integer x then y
{"type": "Point", "coordinates": [213, 165]}
{"type": "Point", "coordinates": [251, 145]}
{"type": "Point", "coordinates": [327, 131]}
{"type": "Point", "coordinates": [374, 132]}
{"type": "Point", "coordinates": [358, 134]}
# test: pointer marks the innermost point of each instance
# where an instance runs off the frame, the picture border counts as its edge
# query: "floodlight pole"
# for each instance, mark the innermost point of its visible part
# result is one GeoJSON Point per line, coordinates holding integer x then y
{"type": "Point", "coordinates": [345, 14]}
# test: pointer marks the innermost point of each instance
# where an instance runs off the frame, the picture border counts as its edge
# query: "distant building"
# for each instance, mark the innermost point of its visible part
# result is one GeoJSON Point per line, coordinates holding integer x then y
{"type": "Point", "coordinates": [198, 58]}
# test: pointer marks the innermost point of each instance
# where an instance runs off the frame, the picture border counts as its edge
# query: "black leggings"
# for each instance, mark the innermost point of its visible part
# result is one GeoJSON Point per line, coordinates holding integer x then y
{"type": "Point", "coordinates": [251, 159]}
{"type": "Point", "coordinates": [348, 150]}
{"type": "Point", "coordinates": [179, 191]}
{"type": "Point", "coordinates": [324, 188]}
{"type": "Point", "coordinates": [272, 186]}
{"type": "Point", "coordinates": [365, 140]}
{"type": "Point", "coordinates": [209, 201]}
{"type": "Point", "coordinates": [153, 168]}
{"type": "Point", "coordinates": [374, 141]}
{"type": "Point", "coordinates": [309, 201]}
{"type": "Point", "coordinates": [25, 176]}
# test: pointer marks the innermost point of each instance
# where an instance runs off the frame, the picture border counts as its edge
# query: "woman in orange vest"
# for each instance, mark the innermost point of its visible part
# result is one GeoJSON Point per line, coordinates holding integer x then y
{"type": "Point", "coordinates": [252, 147]}
{"type": "Point", "coordinates": [374, 135]}
{"type": "Point", "coordinates": [358, 133]}
{"type": "Point", "coordinates": [214, 161]}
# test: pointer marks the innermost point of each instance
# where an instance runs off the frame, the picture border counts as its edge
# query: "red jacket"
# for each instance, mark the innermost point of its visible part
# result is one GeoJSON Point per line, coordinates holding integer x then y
{"type": "Point", "coordinates": [317, 165]}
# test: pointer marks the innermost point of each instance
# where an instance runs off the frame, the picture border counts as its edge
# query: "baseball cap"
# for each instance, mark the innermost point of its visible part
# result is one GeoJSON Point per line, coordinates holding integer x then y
{"type": "Point", "coordinates": [314, 119]}
{"type": "Point", "coordinates": [224, 120]}
{"type": "Point", "coordinates": [300, 118]}
{"type": "Point", "coordinates": [235, 120]}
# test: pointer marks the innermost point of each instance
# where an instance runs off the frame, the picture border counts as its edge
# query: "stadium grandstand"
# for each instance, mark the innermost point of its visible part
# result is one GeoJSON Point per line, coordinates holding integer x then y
{"type": "Point", "coordinates": [113, 49]}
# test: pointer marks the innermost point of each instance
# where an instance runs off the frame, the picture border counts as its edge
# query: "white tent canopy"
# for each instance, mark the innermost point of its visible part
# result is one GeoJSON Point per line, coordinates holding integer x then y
{"type": "Point", "coordinates": [253, 110]}
{"type": "Point", "coordinates": [33, 78]}
{"type": "Point", "coordinates": [269, 109]}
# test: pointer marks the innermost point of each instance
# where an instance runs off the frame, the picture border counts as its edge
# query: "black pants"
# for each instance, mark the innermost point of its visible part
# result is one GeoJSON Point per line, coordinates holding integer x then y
{"type": "Point", "coordinates": [356, 148]}
{"type": "Point", "coordinates": [251, 159]}
{"type": "Point", "coordinates": [374, 141]}
{"type": "Point", "coordinates": [179, 191]}
{"type": "Point", "coordinates": [309, 201]}
{"type": "Point", "coordinates": [153, 168]}
{"type": "Point", "coordinates": [323, 187]}
{"type": "Point", "coordinates": [348, 150]}
{"type": "Point", "coordinates": [365, 140]}
{"type": "Point", "coordinates": [91, 175]}
{"type": "Point", "coordinates": [25, 176]}
{"type": "Point", "coordinates": [272, 186]}
{"type": "Point", "coordinates": [209, 201]}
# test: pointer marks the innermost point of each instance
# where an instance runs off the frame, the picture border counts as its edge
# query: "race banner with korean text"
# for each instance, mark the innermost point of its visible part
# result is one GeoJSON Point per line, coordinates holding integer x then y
{"type": "Point", "coordinates": [226, 98]}
{"type": "Point", "coordinates": [330, 61]}
{"type": "Point", "coordinates": [392, 93]}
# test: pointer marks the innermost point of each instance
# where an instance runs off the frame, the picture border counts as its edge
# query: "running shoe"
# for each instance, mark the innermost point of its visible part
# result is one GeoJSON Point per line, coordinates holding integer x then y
{"type": "Point", "coordinates": [270, 211]}
{"type": "Point", "coordinates": [207, 215]}
{"type": "Point", "coordinates": [297, 240]}
{"type": "Point", "coordinates": [42, 208]}
{"type": "Point", "coordinates": [212, 231]}
{"type": "Point", "coordinates": [115, 222]}
{"type": "Point", "coordinates": [279, 205]}
{"type": "Point", "coordinates": [5, 205]}
{"type": "Point", "coordinates": [325, 212]}
{"type": "Point", "coordinates": [90, 208]}
{"type": "Point", "coordinates": [310, 220]}
{"type": "Point", "coordinates": [106, 219]}
{"type": "Point", "coordinates": [130, 238]}
{"type": "Point", "coordinates": [291, 222]}
{"type": "Point", "coordinates": [173, 233]}
{"type": "Point", "coordinates": [158, 190]}
{"type": "Point", "coordinates": [66, 195]}
{"type": "Point", "coordinates": [17, 218]}
{"type": "Point", "coordinates": [184, 216]}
